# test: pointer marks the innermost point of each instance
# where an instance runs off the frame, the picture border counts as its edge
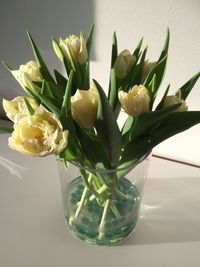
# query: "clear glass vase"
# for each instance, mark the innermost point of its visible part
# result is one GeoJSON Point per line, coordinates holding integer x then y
{"type": "Point", "coordinates": [101, 206]}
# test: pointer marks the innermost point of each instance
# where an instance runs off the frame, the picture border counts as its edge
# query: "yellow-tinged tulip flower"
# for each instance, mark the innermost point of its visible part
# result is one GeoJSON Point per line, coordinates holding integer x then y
{"type": "Point", "coordinates": [38, 135]}
{"type": "Point", "coordinates": [84, 106]}
{"type": "Point", "coordinates": [175, 99]}
{"type": "Point", "coordinates": [17, 108]}
{"type": "Point", "coordinates": [147, 67]}
{"type": "Point", "coordinates": [124, 63]}
{"type": "Point", "coordinates": [136, 101]}
{"type": "Point", "coordinates": [74, 48]}
{"type": "Point", "coordinates": [28, 73]}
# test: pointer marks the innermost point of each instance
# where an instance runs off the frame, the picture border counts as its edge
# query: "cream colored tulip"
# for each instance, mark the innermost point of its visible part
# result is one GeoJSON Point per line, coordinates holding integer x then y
{"type": "Point", "coordinates": [123, 64]}
{"type": "Point", "coordinates": [84, 107]}
{"type": "Point", "coordinates": [147, 67]}
{"type": "Point", "coordinates": [175, 99]}
{"type": "Point", "coordinates": [136, 101]}
{"type": "Point", "coordinates": [38, 135]}
{"type": "Point", "coordinates": [28, 73]}
{"type": "Point", "coordinates": [17, 108]}
{"type": "Point", "coordinates": [74, 48]}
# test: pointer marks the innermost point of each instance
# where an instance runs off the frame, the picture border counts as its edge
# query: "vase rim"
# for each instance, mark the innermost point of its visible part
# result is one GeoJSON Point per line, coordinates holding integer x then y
{"type": "Point", "coordinates": [105, 170]}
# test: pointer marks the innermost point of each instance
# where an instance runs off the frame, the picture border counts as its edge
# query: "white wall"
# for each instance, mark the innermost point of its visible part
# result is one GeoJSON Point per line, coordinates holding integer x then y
{"type": "Point", "coordinates": [135, 18]}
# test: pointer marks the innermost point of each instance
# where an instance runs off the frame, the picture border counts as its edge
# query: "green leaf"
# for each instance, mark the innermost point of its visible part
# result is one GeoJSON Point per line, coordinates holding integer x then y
{"type": "Point", "coordinates": [107, 128]}
{"type": "Point", "coordinates": [61, 80]}
{"type": "Point", "coordinates": [6, 129]}
{"type": "Point", "coordinates": [165, 47]}
{"type": "Point", "coordinates": [114, 50]}
{"type": "Point", "coordinates": [30, 109]}
{"type": "Point", "coordinates": [136, 53]}
{"type": "Point", "coordinates": [187, 87]}
{"type": "Point", "coordinates": [135, 76]}
{"type": "Point", "coordinates": [112, 94]}
{"type": "Point", "coordinates": [134, 151]}
{"type": "Point", "coordinates": [158, 70]}
{"type": "Point", "coordinates": [46, 90]}
{"type": "Point", "coordinates": [127, 129]}
{"type": "Point", "coordinates": [86, 80]}
{"type": "Point", "coordinates": [44, 70]}
{"type": "Point", "coordinates": [66, 105]}
{"type": "Point", "coordinates": [145, 122]}
{"type": "Point", "coordinates": [51, 103]}
{"type": "Point", "coordinates": [32, 94]}
{"type": "Point", "coordinates": [92, 147]}
{"type": "Point", "coordinates": [174, 123]}
{"type": "Point", "coordinates": [7, 66]}
{"type": "Point", "coordinates": [161, 104]}
{"type": "Point", "coordinates": [89, 40]}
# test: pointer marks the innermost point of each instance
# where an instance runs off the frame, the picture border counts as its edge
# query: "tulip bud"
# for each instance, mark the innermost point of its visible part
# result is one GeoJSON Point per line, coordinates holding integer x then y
{"type": "Point", "coordinates": [123, 64]}
{"type": "Point", "coordinates": [17, 108]}
{"type": "Point", "coordinates": [74, 48]}
{"type": "Point", "coordinates": [175, 99]}
{"type": "Point", "coordinates": [136, 101]}
{"type": "Point", "coordinates": [84, 107]}
{"type": "Point", "coordinates": [28, 73]}
{"type": "Point", "coordinates": [57, 50]}
{"type": "Point", "coordinates": [147, 67]}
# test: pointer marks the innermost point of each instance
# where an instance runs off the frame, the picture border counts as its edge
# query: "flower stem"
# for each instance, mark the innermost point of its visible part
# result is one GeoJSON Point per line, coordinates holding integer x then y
{"type": "Point", "coordinates": [103, 219]}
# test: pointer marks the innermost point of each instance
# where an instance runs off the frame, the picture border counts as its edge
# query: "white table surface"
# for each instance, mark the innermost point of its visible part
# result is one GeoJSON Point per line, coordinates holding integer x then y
{"type": "Point", "coordinates": [32, 222]}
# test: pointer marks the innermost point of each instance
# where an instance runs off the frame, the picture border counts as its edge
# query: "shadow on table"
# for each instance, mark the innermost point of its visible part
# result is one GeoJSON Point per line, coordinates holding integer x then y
{"type": "Point", "coordinates": [170, 212]}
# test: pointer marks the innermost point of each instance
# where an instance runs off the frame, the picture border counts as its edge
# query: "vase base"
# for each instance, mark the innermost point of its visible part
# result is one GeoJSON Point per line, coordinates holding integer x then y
{"type": "Point", "coordinates": [86, 225]}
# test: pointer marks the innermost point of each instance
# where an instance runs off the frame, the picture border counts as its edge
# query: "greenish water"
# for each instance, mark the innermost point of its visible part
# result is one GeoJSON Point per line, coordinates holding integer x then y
{"type": "Point", "coordinates": [86, 226]}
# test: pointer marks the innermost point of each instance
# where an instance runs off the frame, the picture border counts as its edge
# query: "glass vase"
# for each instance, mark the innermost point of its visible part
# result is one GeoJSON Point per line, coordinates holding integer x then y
{"type": "Point", "coordinates": [101, 206]}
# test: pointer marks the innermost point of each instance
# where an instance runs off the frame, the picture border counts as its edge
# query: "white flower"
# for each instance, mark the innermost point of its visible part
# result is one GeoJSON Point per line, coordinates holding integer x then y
{"type": "Point", "coordinates": [176, 99]}
{"type": "Point", "coordinates": [74, 48]}
{"type": "Point", "coordinates": [28, 73]}
{"type": "Point", "coordinates": [84, 107]}
{"type": "Point", "coordinates": [17, 108]}
{"type": "Point", "coordinates": [124, 63]}
{"type": "Point", "coordinates": [136, 101]}
{"type": "Point", "coordinates": [38, 135]}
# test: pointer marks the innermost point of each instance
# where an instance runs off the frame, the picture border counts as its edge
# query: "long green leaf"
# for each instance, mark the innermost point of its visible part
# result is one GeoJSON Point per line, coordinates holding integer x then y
{"type": "Point", "coordinates": [136, 53]}
{"type": "Point", "coordinates": [112, 94]}
{"type": "Point", "coordinates": [44, 70]}
{"type": "Point", "coordinates": [165, 47]}
{"type": "Point", "coordinates": [158, 70]}
{"type": "Point", "coordinates": [51, 103]}
{"type": "Point", "coordinates": [89, 40]}
{"type": "Point", "coordinates": [161, 104]}
{"type": "Point", "coordinates": [61, 80]}
{"type": "Point", "coordinates": [114, 50]}
{"type": "Point", "coordinates": [187, 87]}
{"type": "Point", "coordinates": [107, 128]}
{"type": "Point", "coordinates": [173, 124]}
{"type": "Point", "coordinates": [30, 109]}
{"type": "Point", "coordinates": [144, 123]}
{"type": "Point", "coordinates": [7, 66]}
{"type": "Point", "coordinates": [6, 129]}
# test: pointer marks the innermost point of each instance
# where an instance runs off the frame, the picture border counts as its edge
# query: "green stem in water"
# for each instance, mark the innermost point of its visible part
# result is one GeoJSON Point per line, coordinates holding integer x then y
{"type": "Point", "coordinates": [104, 218]}
{"type": "Point", "coordinates": [100, 191]}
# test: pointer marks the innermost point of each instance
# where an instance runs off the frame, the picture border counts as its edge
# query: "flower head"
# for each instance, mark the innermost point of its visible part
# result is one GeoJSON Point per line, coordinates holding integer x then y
{"type": "Point", "coordinates": [176, 99]}
{"type": "Point", "coordinates": [28, 73]}
{"type": "Point", "coordinates": [147, 67]}
{"type": "Point", "coordinates": [74, 48]}
{"type": "Point", "coordinates": [84, 107]}
{"type": "Point", "coordinates": [38, 135]}
{"type": "Point", "coordinates": [17, 108]}
{"type": "Point", "coordinates": [136, 101]}
{"type": "Point", "coordinates": [124, 63]}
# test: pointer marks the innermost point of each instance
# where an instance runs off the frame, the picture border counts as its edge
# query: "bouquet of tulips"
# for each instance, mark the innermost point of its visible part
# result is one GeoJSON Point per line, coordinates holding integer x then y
{"type": "Point", "coordinates": [72, 117]}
